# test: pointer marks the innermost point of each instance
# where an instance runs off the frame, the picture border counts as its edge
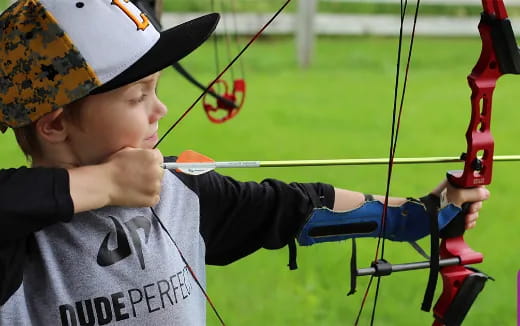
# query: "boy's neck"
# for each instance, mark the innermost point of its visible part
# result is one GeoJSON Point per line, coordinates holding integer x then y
{"type": "Point", "coordinates": [55, 156]}
{"type": "Point", "coordinates": [52, 164]}
{"type": "Point", "coordinates": [47, 164]}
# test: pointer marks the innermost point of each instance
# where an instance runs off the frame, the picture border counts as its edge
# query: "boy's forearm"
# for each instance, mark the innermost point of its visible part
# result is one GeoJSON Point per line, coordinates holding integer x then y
{"type": "Point", "coordinates": [89, 187]}
{"type": "Point", "coordinates": [347, 200]}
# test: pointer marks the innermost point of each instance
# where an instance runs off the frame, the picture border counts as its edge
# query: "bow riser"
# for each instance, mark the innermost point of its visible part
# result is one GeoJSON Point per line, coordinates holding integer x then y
{"type": "Point", "coordinates": [478, 158]}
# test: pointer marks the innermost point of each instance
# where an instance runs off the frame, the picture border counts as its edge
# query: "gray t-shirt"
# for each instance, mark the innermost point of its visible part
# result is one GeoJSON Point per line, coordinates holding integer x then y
{"type": "Point", "coordinates": [116, 265]}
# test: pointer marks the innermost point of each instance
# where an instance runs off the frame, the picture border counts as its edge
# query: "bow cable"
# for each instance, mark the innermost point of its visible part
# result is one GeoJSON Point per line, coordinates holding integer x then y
{"type": "Point", "coordinates": [227, 37]}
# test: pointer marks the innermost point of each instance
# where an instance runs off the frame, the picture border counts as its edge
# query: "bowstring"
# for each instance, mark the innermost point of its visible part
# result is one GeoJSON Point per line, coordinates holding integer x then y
{"type": "Point", "coordinates": [215, 44]}
{"type": "Point", "coordinates": [235, 36]}
{"type": "Point", "coordinates": [191, 271]}
{"type": "Point", "coordinates": [397, 111]}
{"type": "Point", "coordinates": [219, 75]}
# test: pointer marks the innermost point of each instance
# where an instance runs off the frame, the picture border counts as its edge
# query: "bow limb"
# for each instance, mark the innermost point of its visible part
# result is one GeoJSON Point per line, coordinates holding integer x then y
{"type": "Point", "coordinates": [231, 94]}
{"type": "Point", "coordinates": [499, 56]}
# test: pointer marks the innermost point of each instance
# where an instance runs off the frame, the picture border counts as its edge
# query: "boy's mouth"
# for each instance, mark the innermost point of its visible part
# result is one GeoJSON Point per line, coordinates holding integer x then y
{"type": "Point", "coordinates": [153, 137]}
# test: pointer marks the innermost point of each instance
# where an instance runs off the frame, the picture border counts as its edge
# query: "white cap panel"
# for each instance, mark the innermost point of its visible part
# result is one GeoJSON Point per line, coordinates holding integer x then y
{"type": "Point", "coordinates": [107, 56]}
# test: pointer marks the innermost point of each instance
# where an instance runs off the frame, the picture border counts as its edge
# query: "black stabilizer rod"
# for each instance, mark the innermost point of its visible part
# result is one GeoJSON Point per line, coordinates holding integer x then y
{"type": "Point", "coordinates": [383, 268]}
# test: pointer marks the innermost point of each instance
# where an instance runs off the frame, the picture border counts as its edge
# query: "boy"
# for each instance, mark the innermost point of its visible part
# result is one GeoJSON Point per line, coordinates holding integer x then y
{"type": "Point", "coordinates": [79, 82]}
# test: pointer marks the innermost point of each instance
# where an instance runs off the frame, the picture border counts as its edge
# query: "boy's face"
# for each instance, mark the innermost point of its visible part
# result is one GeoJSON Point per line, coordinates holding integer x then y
{"type": "Point", "coordinates": [125, 117]}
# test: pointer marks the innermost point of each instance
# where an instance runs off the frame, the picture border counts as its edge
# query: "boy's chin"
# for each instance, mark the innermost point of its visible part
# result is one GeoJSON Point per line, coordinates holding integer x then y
{"type": "Point", "coordinates": [148, 146]}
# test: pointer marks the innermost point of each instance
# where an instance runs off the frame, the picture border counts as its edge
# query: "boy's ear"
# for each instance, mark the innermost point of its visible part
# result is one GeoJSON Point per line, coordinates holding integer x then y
{"type": "Point", "coordinates": [52, 127]}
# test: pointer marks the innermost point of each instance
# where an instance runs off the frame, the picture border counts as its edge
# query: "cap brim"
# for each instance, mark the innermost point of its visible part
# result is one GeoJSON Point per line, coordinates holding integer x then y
{"type": "Point", "coordinates": [173, 45]}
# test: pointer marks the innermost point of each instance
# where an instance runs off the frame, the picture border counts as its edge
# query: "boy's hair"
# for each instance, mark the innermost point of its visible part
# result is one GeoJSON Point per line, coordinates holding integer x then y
{"type": "Point", "coordinates": [54, 52]}
{"type": "Point", "coordinates": [28, 141]}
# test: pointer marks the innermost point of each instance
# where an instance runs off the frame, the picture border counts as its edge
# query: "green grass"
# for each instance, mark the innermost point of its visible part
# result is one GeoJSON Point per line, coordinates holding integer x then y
{"type": "Point", "coordinates": [341, 108]}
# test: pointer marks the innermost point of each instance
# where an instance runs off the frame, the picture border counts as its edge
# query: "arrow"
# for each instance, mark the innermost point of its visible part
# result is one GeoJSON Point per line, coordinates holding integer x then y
{"type": "Point", "coordinates": [191, 162]}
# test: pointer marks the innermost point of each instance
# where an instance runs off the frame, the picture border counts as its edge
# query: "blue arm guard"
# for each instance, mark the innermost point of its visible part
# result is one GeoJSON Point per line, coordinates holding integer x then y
{"type": "Point", "coordinates": [408, 222]}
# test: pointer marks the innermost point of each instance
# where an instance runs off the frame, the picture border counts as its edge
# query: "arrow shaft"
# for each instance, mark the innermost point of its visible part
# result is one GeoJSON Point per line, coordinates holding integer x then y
{"type": "Point", "coordinates": [295, 163]}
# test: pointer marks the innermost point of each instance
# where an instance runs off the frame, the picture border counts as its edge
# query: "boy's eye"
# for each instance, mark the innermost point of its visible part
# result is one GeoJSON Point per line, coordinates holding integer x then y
{"type": "Point", "coordinates": [138, 99]}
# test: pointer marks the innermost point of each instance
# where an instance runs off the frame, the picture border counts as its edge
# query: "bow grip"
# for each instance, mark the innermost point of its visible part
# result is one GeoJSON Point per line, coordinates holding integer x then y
{"type": "Point", "coordinates": [456, 227]}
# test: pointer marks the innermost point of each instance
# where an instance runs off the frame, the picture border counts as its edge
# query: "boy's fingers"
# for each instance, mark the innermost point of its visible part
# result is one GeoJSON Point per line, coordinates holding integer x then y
{"type": "Point", "coordinates": [138, 176]}
{"type": "Point", "coordinates": [158, 155]}
{"type": "Point", "coordinates": [159, 159]}
{"type": "Point", "coordinates": [475, 207]}
{"type": "Point", "coordinates": [459, 196]}
{"type": "Point", "coordinates": [476, 195]}
{"type": "Point", "coordinates": [473, 214]}
{"type": "Point", "coordinates": [471, 225]}
{"type": "Point", "coordinates": [471, 217]}
{"type": "Point", "coordinates": [471, 220]}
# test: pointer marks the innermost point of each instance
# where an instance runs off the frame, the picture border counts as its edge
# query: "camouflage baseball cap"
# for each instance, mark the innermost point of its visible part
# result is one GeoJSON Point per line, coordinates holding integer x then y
{"type": "Point", "coordinates": [54, 52]}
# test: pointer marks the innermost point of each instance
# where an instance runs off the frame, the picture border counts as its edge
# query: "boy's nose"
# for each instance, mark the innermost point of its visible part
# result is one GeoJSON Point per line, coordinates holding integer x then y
{"type": "Point", "coordinates": [158, 111]}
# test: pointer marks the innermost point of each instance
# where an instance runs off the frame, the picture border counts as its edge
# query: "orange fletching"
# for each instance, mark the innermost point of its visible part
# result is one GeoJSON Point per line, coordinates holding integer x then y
{"type": "Point", "coordinates": [189, 156]}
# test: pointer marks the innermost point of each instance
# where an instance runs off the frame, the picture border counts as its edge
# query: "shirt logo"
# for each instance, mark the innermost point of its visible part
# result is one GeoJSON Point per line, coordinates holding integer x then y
{"type": "Point", "coordinates": [107, 256]}
{"type": "Point", "coordinates": [142, 22]}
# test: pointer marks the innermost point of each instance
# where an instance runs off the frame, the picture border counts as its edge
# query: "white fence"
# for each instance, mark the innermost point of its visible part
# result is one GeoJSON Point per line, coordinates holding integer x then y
{"type": "Point", "coordinates": [306, 24]}
{"type": "Point", "coordinates": [351, 24]}
{"type": "Point", "coordinates": [341, 24]}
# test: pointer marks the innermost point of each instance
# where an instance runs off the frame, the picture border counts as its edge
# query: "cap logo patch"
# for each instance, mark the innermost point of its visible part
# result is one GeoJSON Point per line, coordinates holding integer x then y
{"type": "Point", "coordinates": [141, 22]}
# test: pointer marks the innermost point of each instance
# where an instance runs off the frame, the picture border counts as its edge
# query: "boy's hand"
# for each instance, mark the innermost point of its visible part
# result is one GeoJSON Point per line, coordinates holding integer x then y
{"type": "Point", "coordinates": [130, 177]}
{"type": "Point", "coordinates": [458, 196]}
{"type": "Point", "coordinates": [135, 177]}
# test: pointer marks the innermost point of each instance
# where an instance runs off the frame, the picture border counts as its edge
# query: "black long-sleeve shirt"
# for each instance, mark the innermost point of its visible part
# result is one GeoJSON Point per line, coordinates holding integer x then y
{"type": "Point", "coordinates": [30, 199]}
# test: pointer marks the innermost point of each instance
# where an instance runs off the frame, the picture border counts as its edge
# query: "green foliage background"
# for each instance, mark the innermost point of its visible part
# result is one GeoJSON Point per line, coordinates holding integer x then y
{"type": "Point", "coordinates": [341, 108]}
